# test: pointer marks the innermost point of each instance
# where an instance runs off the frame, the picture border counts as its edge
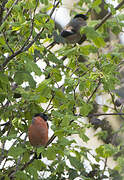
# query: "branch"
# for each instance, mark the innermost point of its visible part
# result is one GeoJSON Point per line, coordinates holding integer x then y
{"type": "Point", "coordinates": [32, 26]}
{"type": "Point", "coordinates": [53, 95]}
{"type": "Point", "coordinates": [104, 114]}
{"type": "Point", "coordinates": [3, 145]}
{"type": "Point", "coordinates": [109, 15]}
{"type": "Point", "coordinates": [115, 107]}
{"type": "Point", "coordinates": [89, 115]}
{"type": "Point", "coordinates": [54, 136]}
{"type": "Point", "coordinates": [4, 19]}
{"type": "Point", "coordinates": [23, 49]}
{"type": "Point", "coordinates": [19, 160]}
{"type": "Point", "coordinates": [2, 10]}
{"type": "Point", "coordinates": [6, 123]}
{"type": "Point", "coordinates": [27, 164]}
{"type": "Point", "coordinates": [8, 151]}
{"type": "Point", "coordinates": [103, 21]}
{"type": "Point", "coordinates": [50, 140]}
{"type": "Point", "coordinates": [105, 165]}
{"type": "Point", "coordinates": [51, 45]}
{"type": "Point", "coordinates": [22, 168]}
{"type": "Point", "coordinates": [54, 7]}
{"type": "Point", "coordinates": [7, 42]}
{"type": "Point", "coordinates": [94, 91]}
{"type": "Point", "coordinates": [5, 63]}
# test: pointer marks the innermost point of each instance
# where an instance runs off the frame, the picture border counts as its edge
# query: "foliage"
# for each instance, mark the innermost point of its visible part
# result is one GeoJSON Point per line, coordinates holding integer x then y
{"type": "Point", "coordinates": [67, 86]}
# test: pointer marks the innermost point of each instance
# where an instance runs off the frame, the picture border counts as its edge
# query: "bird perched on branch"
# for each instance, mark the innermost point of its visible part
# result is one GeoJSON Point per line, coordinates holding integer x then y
{"type": "Point", "coordinates": [38, 130]}
{"type": "Point", "coordinates": [71, 31]}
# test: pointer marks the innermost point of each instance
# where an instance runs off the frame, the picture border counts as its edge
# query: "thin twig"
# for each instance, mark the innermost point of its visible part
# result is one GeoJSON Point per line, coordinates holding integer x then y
{"type": "Point", "coordinates": [115, 108]}
{"type": "Point", "coordinates": [19, 160]}
{"type": "Point", "coordinates": [54, 7]}
{"type": "Point", "coordinates": [37, 36]}
{"type": "Point", "coordinates": [95, 90]}
{"type": "Point", "coordinates": [2, 8]}
{"type": "Point", "coordinates": [8, 13]}
{"type": "Point", "coordinates": [88, 66]}
{"type": "Point", "coordinates": [3, 145]}
{"type": "Point", "coordinates": [7, 43]}
{"type": "Point", "coordinates": [54, 136]}
{"type": "Point", "coordinates": [8, 150]}
{"type": "Point", "coordinates": [105, 165]}
{"type": "Point", "coordinates": [105, 114]}
{"type": "Point", "coordinates": [23, 49]}
{"type": "Point", "coordinates": [49, 103]}
{"type": "Point", "coordinates": [50, 140]}
{"type": "Point", "coordinates": [109, 15]}
{"type": "Point", "coordinates": [32, 26]}
{"type": "Point", "coordinates": [27, 164]}
{"type": "Point", "coordinates": [50, 45]}
{"type": "Point", "coordinates": [6, 123]}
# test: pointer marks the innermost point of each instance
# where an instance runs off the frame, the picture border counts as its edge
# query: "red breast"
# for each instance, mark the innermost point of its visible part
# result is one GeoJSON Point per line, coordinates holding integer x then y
{"type": "Point", "coordinates": [38, 132]}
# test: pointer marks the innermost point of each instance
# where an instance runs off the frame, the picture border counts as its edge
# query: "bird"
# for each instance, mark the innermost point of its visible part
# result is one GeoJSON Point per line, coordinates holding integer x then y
{"type": "Point", "coordinates": [38, 130]}
{"type": "Point", "coordinates": [71, 32]}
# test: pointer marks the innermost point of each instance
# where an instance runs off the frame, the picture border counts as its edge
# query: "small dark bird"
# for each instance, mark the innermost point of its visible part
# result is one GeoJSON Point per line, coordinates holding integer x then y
{"type": "Point", "coordinates": [71, 31]}
{"type": "Point", "coordinates": [38, 130]}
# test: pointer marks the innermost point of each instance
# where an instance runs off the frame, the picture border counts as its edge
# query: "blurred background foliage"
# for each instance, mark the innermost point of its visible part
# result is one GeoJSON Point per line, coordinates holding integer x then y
{"type": "Point", "coordinates": [64, 81]}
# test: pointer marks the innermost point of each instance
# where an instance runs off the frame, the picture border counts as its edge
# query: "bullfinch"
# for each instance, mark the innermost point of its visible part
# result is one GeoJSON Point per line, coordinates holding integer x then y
{"type": "Point", "coordinates": [38, 130]}
{"type": "Point", "coordinates": [71, 31]}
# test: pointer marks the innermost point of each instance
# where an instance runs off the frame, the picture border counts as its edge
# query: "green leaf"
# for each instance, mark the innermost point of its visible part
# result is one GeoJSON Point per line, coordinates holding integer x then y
{"type": "Point", "coordinates": [59, 96]}
{"type": "Point", "coordinates": [99, 42]}
{"type": "Point", "coordinates": [105, 108]}
{"type": "Point", "coordinates": [75, 163]}
{"type": "Point", "coordinates": [4, 80]}
{"type": "Point", "coordinates": [50, 154]}
{"type": "Point", "coordinates": [26, 157]}
{"type": "Point", "coordinates": [16, 28]}
{"type": "Point", "coordinates": [72, 174]}
{"type": "Point", "coordinates": [96, 3]}
{"type": "Point", "coordinates": [33, 67]}
{"type": "Point", "coordinates": [32, 171]}
{"type": "Point", "coordinates": [51, 57]}
{"type": "Point", "coordinates": [106, 150]}
{"type": "Point", "coordinates": [102, 135]}
{"type": "Point", "coordinates": [94, 35]}
{"type": "Point", "coordinates": [21, 175]}
{"type": "Point", "coordinates": [23, 76]}
{"type": "Point", "coordinates": [82, 135]}
{"type": "Point", "coordinates": [10, 137]}
{"type": "Point", "coordinates": [82, 85]}
{"type": "Point", "coordinates": [9, 3]}
{"type": "Point", "coordinates": [44, 2]}
{"type": "Point", "coordinates": [85, 109]}
{"type": "Point", "coordinates": [2, 40]}
{"type": "Point", "coordinates": [44, 89]}
{"type": "Point", "coordinates": [55, 73]}
{"type": "Point", "coordinates": [38, 164]}
{"type": "Point", "coordinates": [59, 132]}
{"type": "Point", "coordinates": [16, 151]}
{"type": "Point", "coordinates": [7, 178]}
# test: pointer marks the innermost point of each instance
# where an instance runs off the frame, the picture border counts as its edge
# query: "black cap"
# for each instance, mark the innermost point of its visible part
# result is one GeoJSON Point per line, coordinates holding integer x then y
{"type": "Point", "coordinates": [81, 16]}
{"type": "Point", "coordinates": [42, 115]}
